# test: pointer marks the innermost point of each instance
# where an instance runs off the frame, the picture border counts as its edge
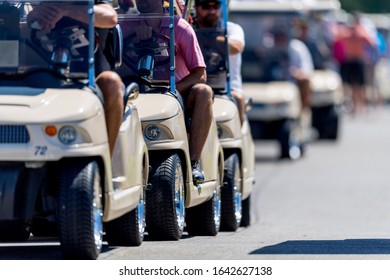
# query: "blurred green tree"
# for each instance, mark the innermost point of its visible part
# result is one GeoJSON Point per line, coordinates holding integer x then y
{"type": "Point", "coordinates": [367, 6]}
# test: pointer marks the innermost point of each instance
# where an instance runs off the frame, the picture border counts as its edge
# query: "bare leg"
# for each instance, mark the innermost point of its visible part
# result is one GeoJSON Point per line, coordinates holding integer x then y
{"type": "Point", "coordinates": [305, 91]}
{"type": "Point", "coordinates": [200, 99]}
{"type": "Point", "coordinates": [111, 87]}
{"type": "Point", "coordinates": [305, 119]}
{"type": "Point", "coordinates": [347, 98]}
{"type": "Point", "coordinates": [359, 98]}
{"type": "Point", "coordinates": [240, 98]}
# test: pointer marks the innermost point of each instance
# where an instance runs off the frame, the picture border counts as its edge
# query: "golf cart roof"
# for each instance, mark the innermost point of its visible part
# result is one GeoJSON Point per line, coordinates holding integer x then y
{"type": "Point", "coordinates": [283, 6]}
{"type": "Point", "coordinates": [266, 6]}
{"type": "Point", "coordinates": [381, 21]}
{"type": "Point", "coordinates": [322, 5]}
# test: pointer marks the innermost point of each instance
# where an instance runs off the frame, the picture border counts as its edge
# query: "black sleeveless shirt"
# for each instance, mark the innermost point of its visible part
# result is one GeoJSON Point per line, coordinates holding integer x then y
{"type": "Point", "coordinates": [101, 61]}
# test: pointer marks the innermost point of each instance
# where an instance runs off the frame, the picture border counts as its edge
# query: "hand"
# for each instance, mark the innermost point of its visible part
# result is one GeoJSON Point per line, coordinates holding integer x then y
{"type": "Point", "coordinates": [46, 15]}
{"type": "Point", "coordinates": [298, 74]}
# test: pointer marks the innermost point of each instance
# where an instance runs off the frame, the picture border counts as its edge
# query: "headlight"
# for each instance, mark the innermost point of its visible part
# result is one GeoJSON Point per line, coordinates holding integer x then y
{"type": "Point", "coordinates": [67, 135]}
{"type": "Point", "coordinates": [152, 132]}
{"type": "Point", "coordinates": [224, 131]}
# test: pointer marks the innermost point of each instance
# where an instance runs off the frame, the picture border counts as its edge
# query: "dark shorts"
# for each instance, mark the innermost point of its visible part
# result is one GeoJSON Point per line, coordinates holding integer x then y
{"type": "Point", "coordinates": [353, 72]}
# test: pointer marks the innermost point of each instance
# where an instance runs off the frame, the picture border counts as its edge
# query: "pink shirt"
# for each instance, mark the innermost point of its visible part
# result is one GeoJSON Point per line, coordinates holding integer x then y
{"type": "Point", "coordinates": [188, 53]}
{"type": "Point", "coordinates": [355, 43]}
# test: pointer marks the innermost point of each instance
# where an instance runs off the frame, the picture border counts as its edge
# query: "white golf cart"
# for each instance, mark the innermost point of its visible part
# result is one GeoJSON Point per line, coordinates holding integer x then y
{"type": "Point", "coordinates": [173, 201]}
{"type": "Point", "coordinates": [236, 139]}
{"type": "Point", "coordinates": [265, 69]}
{"type": "Point", "coordinates": [57, 176]}
{"type": "Point", "coordinates": [326, 83]}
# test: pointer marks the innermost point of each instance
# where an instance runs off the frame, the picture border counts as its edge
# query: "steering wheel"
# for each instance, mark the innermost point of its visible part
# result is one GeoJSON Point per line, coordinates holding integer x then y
{"type": "Point", "coordinates": [68, 33]}
{"type": "Point", "coordinates": [134, 49]}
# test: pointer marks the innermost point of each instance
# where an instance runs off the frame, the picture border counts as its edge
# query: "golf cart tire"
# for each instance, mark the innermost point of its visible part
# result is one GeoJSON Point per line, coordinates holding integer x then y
{"type": "Point", "coordinates": [163, 221]}
{"type": "Point", "coordinates": [80, 192]}
{"type": "Point", "coordinates": [284, 134]}
{"type": "Point", "coordinates": [125, 230]}
{"type": "Point", "coordinates": [246, 214]}
{"type": "Point", "coordinates": [231, 209]}
{"type": "Point", "coordinates": [326, 121]}
{"type": "Point", "coordinates": [129, 229]}
{"type": "Point", "coordinates": [205, 219]}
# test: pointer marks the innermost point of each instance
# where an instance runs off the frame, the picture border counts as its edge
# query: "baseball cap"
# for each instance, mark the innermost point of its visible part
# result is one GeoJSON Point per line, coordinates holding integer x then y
{"type": "Point", "coordinates": [201, 2]}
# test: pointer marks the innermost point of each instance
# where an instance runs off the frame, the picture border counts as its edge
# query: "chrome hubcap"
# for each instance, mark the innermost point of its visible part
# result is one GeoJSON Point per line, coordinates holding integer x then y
{"type": "Point", "coordinates": [97, 212]}
{"type": "Point", "coordinates": [179, 197]}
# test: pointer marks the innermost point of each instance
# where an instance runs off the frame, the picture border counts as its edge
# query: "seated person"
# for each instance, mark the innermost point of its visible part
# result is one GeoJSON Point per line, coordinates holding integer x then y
{"type": "Point", "coordinates": [48, 14]}
{"type": "Point", "coordinates": [190, 78]}
{"type": "Point", "coordinates": [208, 15]}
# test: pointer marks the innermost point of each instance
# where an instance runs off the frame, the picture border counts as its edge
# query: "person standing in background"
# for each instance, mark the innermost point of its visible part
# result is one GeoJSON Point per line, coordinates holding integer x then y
{"type": "Point", "coordinates": [353, 46]}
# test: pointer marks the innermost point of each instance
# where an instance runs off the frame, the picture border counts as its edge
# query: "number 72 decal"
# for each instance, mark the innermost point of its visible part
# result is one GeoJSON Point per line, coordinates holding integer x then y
{"type": "Point", "coordinates": [40, 150]}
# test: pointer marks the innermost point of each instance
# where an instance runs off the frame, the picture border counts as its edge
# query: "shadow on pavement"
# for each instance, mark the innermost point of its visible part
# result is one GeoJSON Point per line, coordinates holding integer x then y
{"type": "Point", "coordinates": [49, 249]}
{"type": "Point", "coordinates": [34, 251]}
{"type": "Point", "coordinates": [328, 247]}
{"type": "Point", "coordinates": [30, 253]}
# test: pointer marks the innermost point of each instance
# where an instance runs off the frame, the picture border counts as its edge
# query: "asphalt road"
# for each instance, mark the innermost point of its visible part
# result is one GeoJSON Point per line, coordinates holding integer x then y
{"type": "Point", "coordinates": [332, 204]}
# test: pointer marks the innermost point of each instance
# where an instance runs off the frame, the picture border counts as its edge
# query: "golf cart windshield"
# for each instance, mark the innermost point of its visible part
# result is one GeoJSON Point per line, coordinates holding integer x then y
{"type": "Point", "coordinates": [213, 44]}
{"type": "Point", "coordinates": [265, 57]}
{"type": "Point", "coordinates": [66, 48]}
{"type": "Point", "coordinates": [148, 47]}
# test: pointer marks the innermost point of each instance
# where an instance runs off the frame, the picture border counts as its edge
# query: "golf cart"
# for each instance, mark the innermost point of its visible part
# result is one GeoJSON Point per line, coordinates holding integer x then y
{"type": "Point", "coordinates": [57, 176]}
{"type": "Point", "coordinates": [276, 108]}
{"type": "Point", "coordinates": [172, 199]}
{"type": "Point", "coordinates": [236, 139]}
{"type": "Point", "coordinates": [326, 83]}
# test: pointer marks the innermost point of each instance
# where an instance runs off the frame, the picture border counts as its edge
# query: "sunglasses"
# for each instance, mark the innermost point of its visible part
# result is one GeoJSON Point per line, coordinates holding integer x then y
{"type": "Point", "coordinates": [208, 6]}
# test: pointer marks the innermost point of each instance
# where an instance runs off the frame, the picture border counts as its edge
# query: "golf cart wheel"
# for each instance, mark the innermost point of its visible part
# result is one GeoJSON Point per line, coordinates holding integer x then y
{"type": "Point", "coordinates": [283, 136]}
{"type": "Point", "coordinates": [14, 231]}
{"type": "Point", "coordinates": [165, 205]}
{"type": "Point", "coordinates": [129, 229]}
{"type": "Point", "coordinates": [257, 129]}
{"type": "Point", "coordinates": [80, 210]}
{"type": "Point", "coordinates": [231, 211]}
{"type": "Point", "coordinates": [290, 146]}
{"type": "Point", "coordinates": [331, 124]}
{"type": "Point", "coordinates": [246, 214]}
{"type": "Point", "coordinates": [205, 219]}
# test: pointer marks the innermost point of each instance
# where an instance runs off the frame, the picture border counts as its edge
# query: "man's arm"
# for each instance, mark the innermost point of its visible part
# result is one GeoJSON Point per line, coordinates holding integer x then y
{"type": "Point", "coordinates": [235, 46]}
{"type": "Point", "coordinates": [105, 16]}
{"type": "Point", "coordinates": [47, 15]}
{"type": "Point", "coordinates": [196, 76]}
{"type": "Point", "coordinates": [236, 38]}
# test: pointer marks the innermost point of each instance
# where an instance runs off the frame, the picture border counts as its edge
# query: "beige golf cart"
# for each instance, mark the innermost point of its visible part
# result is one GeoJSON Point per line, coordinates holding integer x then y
{"type": "Point", "coordinates": [326, 83]}
{"type": "Point", "coordinates": [276, 105]}
{"type": "Point", "coordinates": [57, 176]}
{"type": "Point", "coordinates": [173, 201]}
{"type": "Point", "coordinates": [236, 139]}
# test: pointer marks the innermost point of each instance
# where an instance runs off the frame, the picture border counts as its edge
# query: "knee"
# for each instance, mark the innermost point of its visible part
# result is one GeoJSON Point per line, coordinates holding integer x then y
{"type": "Point", "coordinates": [109, 82]}
{"type": "Point", "coordinates": [203, 93]}
{"type": "Point", "coordinates": [240, 98]}
{"type": "Point", "coordinates": [111, 86]}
